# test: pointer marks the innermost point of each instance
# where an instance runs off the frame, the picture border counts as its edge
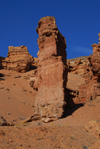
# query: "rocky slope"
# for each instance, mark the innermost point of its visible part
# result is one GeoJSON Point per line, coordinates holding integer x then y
{"type": "Point", "coordinates": [78, 129]}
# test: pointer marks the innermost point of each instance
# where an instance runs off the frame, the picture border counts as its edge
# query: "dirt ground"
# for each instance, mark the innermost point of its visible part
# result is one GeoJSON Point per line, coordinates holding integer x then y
{"type": "Point", "coordinates": [17, 102]}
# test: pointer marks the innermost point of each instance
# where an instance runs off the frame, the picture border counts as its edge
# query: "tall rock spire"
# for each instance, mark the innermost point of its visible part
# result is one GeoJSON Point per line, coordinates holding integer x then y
{"type": "Point", "coordinates": [52, 71]}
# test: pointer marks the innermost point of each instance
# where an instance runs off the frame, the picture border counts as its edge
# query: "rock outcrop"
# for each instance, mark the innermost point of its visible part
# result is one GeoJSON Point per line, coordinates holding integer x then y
{"type": "Point", "coordinates": [79, 65]}
{"type": "Point", "coordinates": [18, 59]}
{"type": "Point", "coordinates": [51, 75]}
{"type": "Point", "coordinates": [89, 69]}
{"type": "Point", "coordinates": [91, 88]}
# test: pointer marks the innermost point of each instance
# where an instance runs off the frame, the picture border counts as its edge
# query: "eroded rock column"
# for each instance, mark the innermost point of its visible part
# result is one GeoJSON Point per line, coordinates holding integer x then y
{"type": "Point", "coordinates": [52, 71]}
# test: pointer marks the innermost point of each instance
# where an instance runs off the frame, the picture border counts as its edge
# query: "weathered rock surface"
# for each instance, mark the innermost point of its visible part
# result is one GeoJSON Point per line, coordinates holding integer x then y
{"type": "Point", "coordinates": [89, 69]}
{"type": "Point", "coordinates": [1, 59]}
{"type": "Point", "coordinates": [91, 88]}
{"type": "Point", "coordinates": [79, 65]}
{"type": "Point", "coordinates": [18, 59]}
{"type": "Point", "coordinates": [72, 89]}
{"type": "Point", "coordinates": [35, 62]}
{"type": "Point", "coordinates": [51, 75]}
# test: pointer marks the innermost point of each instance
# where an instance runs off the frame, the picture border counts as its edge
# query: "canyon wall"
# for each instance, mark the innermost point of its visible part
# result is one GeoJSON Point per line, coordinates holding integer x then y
{"type": "Point", "coordinates": [91, 88]}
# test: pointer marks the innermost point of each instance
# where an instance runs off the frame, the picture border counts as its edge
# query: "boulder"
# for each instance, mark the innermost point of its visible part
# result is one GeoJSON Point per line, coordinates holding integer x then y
{"type": "Point", "coordinates": [18, 59]}
{"type": "Point", "coordinates": [51, 74]}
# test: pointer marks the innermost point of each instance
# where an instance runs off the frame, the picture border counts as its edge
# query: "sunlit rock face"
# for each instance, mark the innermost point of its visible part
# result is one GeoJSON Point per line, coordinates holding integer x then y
{"type": "Point", "coordinates": [18, 59]}
{"type": "Point", "coordinates": [51, 75]}
{"type": "Point", "coordinates": [91, 88]}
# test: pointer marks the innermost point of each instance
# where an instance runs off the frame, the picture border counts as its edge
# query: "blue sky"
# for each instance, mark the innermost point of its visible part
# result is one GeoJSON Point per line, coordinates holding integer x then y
{"type": "Point", "coordinates": [77, 20]}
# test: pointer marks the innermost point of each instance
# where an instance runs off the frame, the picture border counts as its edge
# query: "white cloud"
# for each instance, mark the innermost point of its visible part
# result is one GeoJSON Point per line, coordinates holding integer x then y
{"type": "Point", "coordinates": [82, 49]}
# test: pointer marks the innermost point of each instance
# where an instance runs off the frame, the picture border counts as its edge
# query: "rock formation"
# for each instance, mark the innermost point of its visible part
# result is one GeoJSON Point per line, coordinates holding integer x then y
{"type": "Point", "coordinates": [79, 65]}
{"type": "Point", "coordinates": [89, 69]}
{"type": "Point", "coordinates": [51, 75]}
{"type": "Point", "coordinates": [1, 59]}
{"type": "Point", "coordinates": [91, 88]}
{"type": "Point", "coordinates": [18, 59]}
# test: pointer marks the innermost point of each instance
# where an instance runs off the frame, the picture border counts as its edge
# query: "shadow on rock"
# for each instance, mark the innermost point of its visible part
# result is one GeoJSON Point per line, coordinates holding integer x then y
{"type": "Point", "coordinates": [71, 106]}
{"type": "Point", "coordinates": [32, 67]}
{"type": "Point", "coordinates": [70, 111]}
{"type": "Point", "coordinates": [1, 76]}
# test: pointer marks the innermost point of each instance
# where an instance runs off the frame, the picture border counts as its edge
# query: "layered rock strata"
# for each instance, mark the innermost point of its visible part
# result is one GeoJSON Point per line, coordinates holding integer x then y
{"type": "Point", "coordinates": [51, 75]}
{"type": "Point", "coordinates": [18, 59]}
{"type": "Point", "coordinates": [79, 66]}
{"type": "Point", "coordinates": [91, 88]}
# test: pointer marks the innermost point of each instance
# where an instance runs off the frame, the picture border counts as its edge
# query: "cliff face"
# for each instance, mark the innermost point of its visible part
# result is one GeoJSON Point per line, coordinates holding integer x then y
{"type": "Point", "coordinates": [89, 69]}
{"type": "Point", "coordinates": [18, 59]}
{"type": "Point", "coordinates": [51, 72]}
{"type": "Point", "coordinates": [91, 88]}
